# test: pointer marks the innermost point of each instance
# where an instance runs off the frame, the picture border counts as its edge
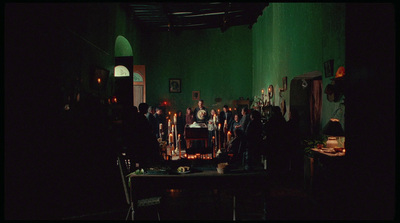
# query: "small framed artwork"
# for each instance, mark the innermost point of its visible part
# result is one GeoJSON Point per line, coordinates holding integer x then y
{"type": "Point", "coordinates": [284, 83]}
{"type": "Point", "coordinates": [328, 65]}
{"type": "Point", "coordinates": [196, 95]}
{"type": "Point", "coordinates": [175, 85]}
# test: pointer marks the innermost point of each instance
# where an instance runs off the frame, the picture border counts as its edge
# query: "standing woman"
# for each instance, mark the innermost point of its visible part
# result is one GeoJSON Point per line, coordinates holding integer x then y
{"type": "Point", "coordinates": [189, 119]}
{"type": "Point", "coordinates": [211, 125]}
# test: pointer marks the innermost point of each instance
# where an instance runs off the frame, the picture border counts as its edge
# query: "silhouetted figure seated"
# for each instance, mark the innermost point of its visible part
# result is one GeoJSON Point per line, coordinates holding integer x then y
{"type": "Point", "coordinates": [234, 144]}
{"type": "Point", "coordinates": [142, 145]}
{"type": "Point", "coordinates": [275, 145]}
{"type": "Point", "coordinates": [233, 147]}
{"type": "Point", "coordinates": [252, 140]}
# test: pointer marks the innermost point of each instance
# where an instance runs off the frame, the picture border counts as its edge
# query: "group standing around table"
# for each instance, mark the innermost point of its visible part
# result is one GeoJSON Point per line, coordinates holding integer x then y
{"type": "Point", "coordinates": [239, 136]}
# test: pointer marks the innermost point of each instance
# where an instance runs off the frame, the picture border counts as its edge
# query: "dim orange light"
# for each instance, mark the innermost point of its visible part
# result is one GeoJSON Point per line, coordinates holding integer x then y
{"type": "Point", "coordinates": [99, 80]}
{"type": "Point", "coordinates": [114, 99]}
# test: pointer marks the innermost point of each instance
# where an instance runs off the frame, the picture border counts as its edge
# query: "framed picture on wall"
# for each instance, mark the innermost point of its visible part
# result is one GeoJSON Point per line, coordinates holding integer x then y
{"type": "Point", "coordinates": [196, 95]}
{"type": "Point", "coordinates": [175, 85]}
{"type": "Point", "coordinates": [328, 65]}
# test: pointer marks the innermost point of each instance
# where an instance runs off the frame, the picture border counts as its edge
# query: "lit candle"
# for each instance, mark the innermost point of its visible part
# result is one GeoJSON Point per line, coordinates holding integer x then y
{"type": "Point", "coordinates": [262, 95]}
{"type": "Point", "coordinates": [175, 118]}
{"type": "Point", "coordinates": [219, 126]}
{"type": "Point", "coordinates": [176, 137]}
{"type": "Point", "coordinates": [170, 138]}
{"type": "Point", "coordinates": [160, 126]}
{"type": "Point", "coordinates": [99, 80]}
{"type": "Point", "coordinates": [172, 134]}
{"type": "Point", "coordinates": [218, 111]}
{"type": "Point", "coordinates": [214, 145]}
{"type": "Point", "coordinates": [169, 126]}
{"type": "Point", "coordinates": [229, 135]}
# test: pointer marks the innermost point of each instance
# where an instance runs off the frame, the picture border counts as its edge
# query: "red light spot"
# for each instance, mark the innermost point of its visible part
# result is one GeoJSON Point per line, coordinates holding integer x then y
{"type": "Point", "coordinates": [114, 99]}
{"type": "Point", "coordinates": [165, 103]}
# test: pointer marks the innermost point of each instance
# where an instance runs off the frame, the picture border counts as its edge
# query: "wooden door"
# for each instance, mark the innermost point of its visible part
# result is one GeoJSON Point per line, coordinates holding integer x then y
{"type": "Point", "coordinates": [139, 84]}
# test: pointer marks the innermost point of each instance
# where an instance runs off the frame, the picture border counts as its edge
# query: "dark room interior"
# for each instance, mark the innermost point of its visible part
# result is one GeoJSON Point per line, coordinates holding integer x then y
{"type": "Point", "coordinates": [75, 71]}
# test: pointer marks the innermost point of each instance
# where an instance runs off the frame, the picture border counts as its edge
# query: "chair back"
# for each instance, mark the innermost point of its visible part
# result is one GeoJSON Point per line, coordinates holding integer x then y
{"type": "Point", "coordinates": [123, 169]}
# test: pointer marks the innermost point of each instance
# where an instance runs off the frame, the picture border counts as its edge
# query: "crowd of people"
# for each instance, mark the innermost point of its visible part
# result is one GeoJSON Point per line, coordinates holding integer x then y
{"type": "Point", "coordinates": [251, 136]}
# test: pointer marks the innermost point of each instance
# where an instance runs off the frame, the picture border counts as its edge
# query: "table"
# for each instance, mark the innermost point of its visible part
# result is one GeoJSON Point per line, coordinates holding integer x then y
{"type": "Point", "coordinates": [324, 152]}
{"type": "Point", "coordinates": [196, 134]}
{"type": "Point", "coordinates": [234, 181]}
{"type": "Point", "coordinates": [330, 171]}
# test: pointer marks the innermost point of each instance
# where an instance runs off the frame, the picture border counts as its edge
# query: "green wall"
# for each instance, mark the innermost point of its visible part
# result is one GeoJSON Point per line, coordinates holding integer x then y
{"type": "Point", "coordinates": [218, 64]}
{"type": "Point", "coordinates": [291, 39]}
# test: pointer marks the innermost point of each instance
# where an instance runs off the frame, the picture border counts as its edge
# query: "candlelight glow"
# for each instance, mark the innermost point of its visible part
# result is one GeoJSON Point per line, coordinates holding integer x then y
{"type": "Point", "coordinates": [114, 99]}
{"type": "Point", "coordinates": [99, 80]}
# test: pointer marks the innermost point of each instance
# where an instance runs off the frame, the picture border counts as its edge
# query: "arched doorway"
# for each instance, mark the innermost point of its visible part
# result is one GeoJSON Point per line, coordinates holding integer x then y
{"type": "Point", "coordinates": [306, 100]}
{"type": "Point", "coordinates": [123, 71]}
{"type": "Point", "coordinates": [139, 84]}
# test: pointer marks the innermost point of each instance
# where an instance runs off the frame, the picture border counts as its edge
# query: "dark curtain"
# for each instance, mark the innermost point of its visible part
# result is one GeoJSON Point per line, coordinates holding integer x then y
{"type": "Point", "coordinates": [315, 106]}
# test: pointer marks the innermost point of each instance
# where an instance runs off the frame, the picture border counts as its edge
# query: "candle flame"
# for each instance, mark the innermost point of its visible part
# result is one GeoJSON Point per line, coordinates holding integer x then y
{"type": "Point", "coordinates": [99, 80]}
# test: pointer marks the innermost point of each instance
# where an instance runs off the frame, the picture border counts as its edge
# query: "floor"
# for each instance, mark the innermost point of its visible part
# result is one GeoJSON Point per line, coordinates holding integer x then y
{"type": "Point", "coordinates": [76, 177]}
{"type": "Point", "coordinates": [87, 190]}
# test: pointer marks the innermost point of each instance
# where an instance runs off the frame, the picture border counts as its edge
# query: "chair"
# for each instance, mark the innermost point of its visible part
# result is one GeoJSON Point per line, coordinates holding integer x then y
{"type": "Point", "coordinates": [124, 167]}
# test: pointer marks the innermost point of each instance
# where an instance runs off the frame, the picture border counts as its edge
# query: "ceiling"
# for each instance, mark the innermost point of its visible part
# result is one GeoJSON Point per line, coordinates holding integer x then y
{"type": "Point", "coordinates": [178, 16]}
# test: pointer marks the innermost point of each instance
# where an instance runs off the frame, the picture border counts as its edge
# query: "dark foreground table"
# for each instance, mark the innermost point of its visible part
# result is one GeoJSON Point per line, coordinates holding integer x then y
{"type": "Point", "coordinates": [234, 181]}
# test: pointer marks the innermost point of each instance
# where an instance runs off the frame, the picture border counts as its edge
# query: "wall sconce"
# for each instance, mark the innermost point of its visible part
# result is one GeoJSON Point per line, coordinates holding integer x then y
{"type": "Point", "coordinates": [333, 130]}
{"type": "Point", "coordinates": [270, 91]}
